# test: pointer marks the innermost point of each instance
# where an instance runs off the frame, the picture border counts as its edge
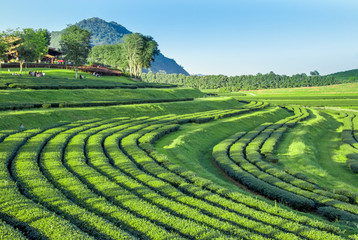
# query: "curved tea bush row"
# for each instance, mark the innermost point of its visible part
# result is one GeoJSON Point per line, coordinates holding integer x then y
{"type": "Point", "coordinates": [269, 144]}
{"type": "Point", "coordinates": [10, 233]}
{"type": "Point", "coordinates": [20, 106]}
{"type": "Point", "coordinates": [37, 187]}
{"type": "Point", "coordinates": [350, 137]}
{"type": "Point", "coordinates": [107, 182]}
{"type": "Point", "coordinates": [33, 220]}
{"type": "Point", "coordinates": [249, 212]}
{"type": "Point", "coordinates": [121, 197]}
{"type": "Point", "coordinates": [253, 149]}
{"type": "Point", "coordinates": [248, 168]}
{"type": "Point", "coordinates": [53, 162]}
{"type": "Point", "coordinates": [203, 183]}
{"type": "Point", "coordinates": [143, 162]}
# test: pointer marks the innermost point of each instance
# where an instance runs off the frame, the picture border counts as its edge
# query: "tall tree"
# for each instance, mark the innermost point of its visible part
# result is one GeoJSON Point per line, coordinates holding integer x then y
{"type": "Point", "coordinates": [146, 56]}
{"type": "Point", "coordinates": [138, 52]}
{"type": "Point", "coordinates": [75, 44]}
{"type": "Point", "coordinates": [34, 45]}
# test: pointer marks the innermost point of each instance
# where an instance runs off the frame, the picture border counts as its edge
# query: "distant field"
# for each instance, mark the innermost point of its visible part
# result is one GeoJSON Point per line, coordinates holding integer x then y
{"type": "Point", "coordinates": [341, 95]}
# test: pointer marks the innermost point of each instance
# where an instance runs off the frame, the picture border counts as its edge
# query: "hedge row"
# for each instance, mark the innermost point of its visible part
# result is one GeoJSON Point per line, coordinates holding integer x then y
{"type": "Point", "coordinates": [35, 186]}
{"type": "Point", "coordinates": [76, 160]}
{"type": "Point", "coordinates": [58, 166]}
{"type": "Point", "coordinates": [148, 166]}
{"type": "Point", "coordinates": [145, 143]}
{"type": "Point", "coordinates": [245, 164]}
{"type": "Point", "coordinates": [5, 107]}
{"type": "Point", "coordinates": [162, 195]}
{"type": "Point", "coordinates": [136, 190]}
{"type": "Point", "coordinates": [253, 151]}
{"type": "Point", "coordinates": [33, 220]}
{"type": "Point", "coordinates": [350, 137]}
{"type": "Point", "coordinates": [203, 183]}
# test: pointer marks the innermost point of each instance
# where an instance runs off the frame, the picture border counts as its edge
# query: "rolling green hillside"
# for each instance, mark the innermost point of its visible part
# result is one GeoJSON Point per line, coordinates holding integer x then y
{"type": "Point", "coordinates": [177, 164]}
{"type": "Point", "coordinates": [339, 95]}
{"type": "Point", "coordinates": [350, 75]}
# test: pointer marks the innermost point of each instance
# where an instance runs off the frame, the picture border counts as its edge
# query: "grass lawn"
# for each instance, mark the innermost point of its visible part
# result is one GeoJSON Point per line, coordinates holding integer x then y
{"type": "Point", "coordinates": [340, 95]}
{"type": "Point", "coordinates": [63, 74]}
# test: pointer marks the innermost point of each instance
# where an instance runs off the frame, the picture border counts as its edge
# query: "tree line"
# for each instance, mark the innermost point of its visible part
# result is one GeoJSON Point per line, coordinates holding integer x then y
{"type": "Point", "coordinates": [133, 54]}
{"type": "Point", "coordinates": [243, 82]}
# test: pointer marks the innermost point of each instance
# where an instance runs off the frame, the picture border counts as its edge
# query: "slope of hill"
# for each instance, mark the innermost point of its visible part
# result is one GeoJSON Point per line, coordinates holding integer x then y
{"type": "Point", "coordinates": [111, 33]}
{"type": "Point", "coordinates": [350, 75]}
{"type": "Point", "coordinates": [95, 173]}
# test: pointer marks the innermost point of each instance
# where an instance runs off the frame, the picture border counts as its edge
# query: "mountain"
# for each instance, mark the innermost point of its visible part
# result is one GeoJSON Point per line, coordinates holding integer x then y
{"type": "Point", "coordinates": [104, 33]}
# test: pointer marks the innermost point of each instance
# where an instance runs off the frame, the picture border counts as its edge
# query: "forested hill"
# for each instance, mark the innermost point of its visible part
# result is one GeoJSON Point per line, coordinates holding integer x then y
{"type": "Point", "coordinates": [350, 75]}
{"type": "Point", "coordinates": [104, 33]}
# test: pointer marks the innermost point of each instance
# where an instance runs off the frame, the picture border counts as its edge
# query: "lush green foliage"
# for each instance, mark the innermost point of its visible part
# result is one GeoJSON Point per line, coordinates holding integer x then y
{"type": "Point", "coordinates": [75, 44]}
{"type": "Point", "coordinates": [237, 83]}
{"type": "Point", "coordinates": [104, 178]}
{"type": "Point", "coordinates": [135, 53]}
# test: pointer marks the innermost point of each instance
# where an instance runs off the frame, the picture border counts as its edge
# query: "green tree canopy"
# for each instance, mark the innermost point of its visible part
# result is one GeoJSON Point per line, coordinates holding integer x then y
{"type": "Point", "coordinates": [33, 44]}
{"type": "Point", "coordinates": [138, 52]}
{"type": "Point", "coordinates": [135, 53]}
{"type": "Point", "coordinates": [75, 45]}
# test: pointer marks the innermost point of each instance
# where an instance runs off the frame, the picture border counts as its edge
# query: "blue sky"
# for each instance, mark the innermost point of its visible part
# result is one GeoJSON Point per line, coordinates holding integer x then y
{"type": "Point", "coordinates": [231, 37]}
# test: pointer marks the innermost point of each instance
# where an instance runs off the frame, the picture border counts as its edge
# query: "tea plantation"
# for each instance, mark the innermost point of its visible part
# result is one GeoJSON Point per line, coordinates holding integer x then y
{"type": "Point", "coordinates": [111, 158]}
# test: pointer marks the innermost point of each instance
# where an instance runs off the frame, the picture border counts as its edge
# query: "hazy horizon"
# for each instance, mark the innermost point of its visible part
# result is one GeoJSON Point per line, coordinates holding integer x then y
{"type": "Point", "coordinates": [220, 37]}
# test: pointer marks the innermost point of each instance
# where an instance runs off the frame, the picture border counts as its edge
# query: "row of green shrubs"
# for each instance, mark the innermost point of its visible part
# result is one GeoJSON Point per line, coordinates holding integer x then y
{"type": "Point", "coordinates": [205, 203]}
{"type": "Point", "coordinates": [18, 106]}
{"type": "Point", "coordinates": [206, 184]}
{"type": "Point", "coordinates": [20, 211]}
{"type": "Point", "coordinates": [241, 158]}
{"type": "Point", "coordinates": [152, 135]}
{"type": "Point", "coordinates": [56, 87]}
{"type": "Point", "coordinates": [350, 137]}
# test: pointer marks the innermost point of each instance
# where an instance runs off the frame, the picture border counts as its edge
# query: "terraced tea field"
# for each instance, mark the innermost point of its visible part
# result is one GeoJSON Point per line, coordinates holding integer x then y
{"type": "Point", "coordinates": [208, 168]}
